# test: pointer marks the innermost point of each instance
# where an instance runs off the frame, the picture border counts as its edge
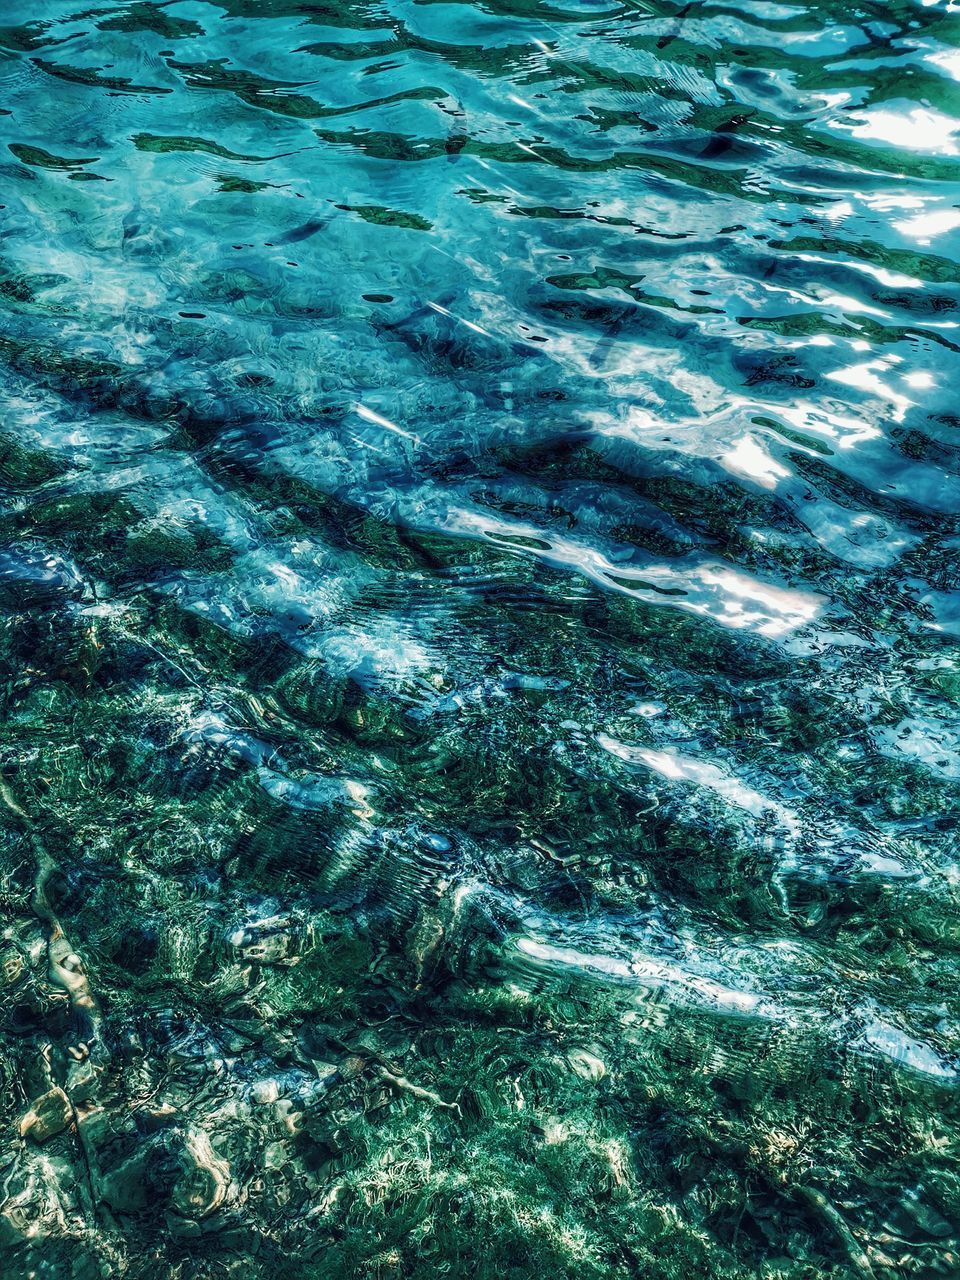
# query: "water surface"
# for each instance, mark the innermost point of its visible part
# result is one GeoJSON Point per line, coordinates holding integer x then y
{"type": "Point", "coordinates": [480, 504]}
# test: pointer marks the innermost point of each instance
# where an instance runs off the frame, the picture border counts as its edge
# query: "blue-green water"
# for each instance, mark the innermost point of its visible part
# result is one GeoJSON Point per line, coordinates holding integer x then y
{"type": "Point", "coordinates": [479, 528]}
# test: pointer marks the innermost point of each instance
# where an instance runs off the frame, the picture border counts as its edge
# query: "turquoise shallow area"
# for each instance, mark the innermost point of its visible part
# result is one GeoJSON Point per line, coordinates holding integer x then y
{"type": "Point", "coordinates": [479, 604]}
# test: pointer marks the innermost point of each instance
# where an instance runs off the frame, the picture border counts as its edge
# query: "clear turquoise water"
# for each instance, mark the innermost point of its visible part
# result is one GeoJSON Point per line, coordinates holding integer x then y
{"type": "Point", "coordinates": [479, 593]}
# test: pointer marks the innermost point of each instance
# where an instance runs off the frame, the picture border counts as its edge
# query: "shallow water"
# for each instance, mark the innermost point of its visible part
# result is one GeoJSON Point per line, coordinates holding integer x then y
{"type": "Point", "coordinates": [480, 502]}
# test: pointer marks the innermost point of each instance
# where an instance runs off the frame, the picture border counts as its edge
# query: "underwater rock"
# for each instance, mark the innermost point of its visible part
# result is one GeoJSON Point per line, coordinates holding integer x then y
{"type": "Point", "coordinates": [278, 939]}
{"type": "Point", "coordinates": [32, 577]}
{"type": "Point", "coordinates": [128, 1187]}
{"type": "Point", "coordinates": [587, 1065]}
{"type": "Point", "coordinates": [11, 965]}
{"type": "Point", "coordinates": [204, 1179]}
{"type": "Point", "coordinates": [48, 1116]}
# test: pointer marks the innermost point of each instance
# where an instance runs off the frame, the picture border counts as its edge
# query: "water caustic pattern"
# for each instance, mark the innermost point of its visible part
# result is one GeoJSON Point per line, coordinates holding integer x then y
{"type": "Point", "coordinates": [480, 504]}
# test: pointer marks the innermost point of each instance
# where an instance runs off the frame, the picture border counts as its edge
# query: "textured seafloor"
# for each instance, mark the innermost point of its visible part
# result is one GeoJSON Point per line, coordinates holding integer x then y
{"type": "Point", "coordinates": [479, 601]}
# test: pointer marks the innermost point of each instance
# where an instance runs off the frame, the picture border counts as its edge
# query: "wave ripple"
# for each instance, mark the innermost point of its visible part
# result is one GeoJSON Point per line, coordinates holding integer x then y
{"type": "Point", "coordinates": [479, 604]}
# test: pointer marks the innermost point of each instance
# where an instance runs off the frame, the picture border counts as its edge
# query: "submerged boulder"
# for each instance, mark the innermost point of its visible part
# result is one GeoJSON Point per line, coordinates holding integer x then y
{"type": "Point", "coordinates": [204, 1180]}
{"type": "Point", "coordinates": [48, 1115]}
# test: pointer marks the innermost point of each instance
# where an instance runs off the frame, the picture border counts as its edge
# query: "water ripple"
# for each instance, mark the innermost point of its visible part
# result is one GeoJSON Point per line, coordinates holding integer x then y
{"type": "Point", "coordinates": [479, 491]}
